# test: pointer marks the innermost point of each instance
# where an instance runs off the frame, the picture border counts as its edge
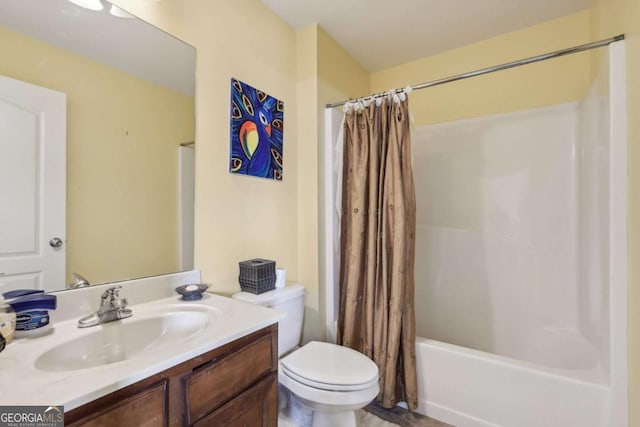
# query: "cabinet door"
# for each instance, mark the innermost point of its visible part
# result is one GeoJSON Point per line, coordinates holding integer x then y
{"type": "Point", "coordinates": [256, 407]}
{"type": "Point", "coordinates": [212, 385]}
{"type": "Point", "coordinates": [144, 409]}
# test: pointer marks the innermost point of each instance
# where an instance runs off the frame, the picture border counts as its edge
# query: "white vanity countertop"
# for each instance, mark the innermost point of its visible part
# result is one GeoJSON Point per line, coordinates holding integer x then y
{"type": "Point", "coordinates": [24, 384]}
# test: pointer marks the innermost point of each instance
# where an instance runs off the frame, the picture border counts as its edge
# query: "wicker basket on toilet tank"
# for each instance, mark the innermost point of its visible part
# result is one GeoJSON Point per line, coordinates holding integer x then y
{"type": "Point", "coordinates": [257, 275]}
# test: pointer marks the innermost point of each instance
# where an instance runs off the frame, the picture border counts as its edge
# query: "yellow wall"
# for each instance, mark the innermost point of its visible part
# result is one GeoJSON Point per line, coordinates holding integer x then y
{"type": "Point", "coordinates": [122, 139]}
{"type": "Point", "coordinates": [326, 73]}
{"type": "Point", "coordinates": [339, 77]}
{"type": "Point", "coordinates": [307, 87]}
{"type": "Point", "coordinates": [609, 18]}
{"type": "Point", "coordinates": [238, 217]}
{"type": "Point", "coordinates": [241, 217]}
{"type": "Point", "coordinates": [550, 82]}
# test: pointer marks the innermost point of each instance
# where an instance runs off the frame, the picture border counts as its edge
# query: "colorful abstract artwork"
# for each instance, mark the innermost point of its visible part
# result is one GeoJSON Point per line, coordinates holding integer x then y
{"type": "Point", "coordinates": [256, 132]}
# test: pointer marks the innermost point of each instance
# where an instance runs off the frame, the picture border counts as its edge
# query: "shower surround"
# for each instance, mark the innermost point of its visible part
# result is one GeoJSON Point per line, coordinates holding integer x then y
{"type": "Point", "coordinates": [520, 264]}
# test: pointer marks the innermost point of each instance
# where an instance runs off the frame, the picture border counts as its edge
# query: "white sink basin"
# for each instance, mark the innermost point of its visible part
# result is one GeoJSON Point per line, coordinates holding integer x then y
{"type": "Point", "coordinates": [73, 366]}
{"type": "Point", "coordinates": [123, 340]}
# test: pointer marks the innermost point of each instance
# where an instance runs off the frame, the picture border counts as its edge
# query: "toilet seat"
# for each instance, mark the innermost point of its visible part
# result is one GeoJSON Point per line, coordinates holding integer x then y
{"type": "Point", "coordinates": [328, 386]}
{"type": "Point", "coordinates": [328, 400]}
{"type": "Point", "coordinates": [330, 367]}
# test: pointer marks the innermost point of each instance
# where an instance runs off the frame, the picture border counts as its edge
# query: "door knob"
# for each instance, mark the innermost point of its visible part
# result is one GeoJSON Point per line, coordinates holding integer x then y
{"type": "Point", "coordinates": [56, 242]}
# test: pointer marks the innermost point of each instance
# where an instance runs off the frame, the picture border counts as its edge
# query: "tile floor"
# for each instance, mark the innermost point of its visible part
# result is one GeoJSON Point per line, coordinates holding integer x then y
{"type": "Point", "coordinates": [397, 417]}
{"type": "Point", "coordinates": [372, 415]}
{"type": "Point", "coordinates": [367, 419]}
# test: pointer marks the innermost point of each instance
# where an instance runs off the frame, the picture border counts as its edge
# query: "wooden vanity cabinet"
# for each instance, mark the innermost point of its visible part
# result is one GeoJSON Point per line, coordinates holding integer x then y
{"type": "Point", "coordinates": [234, 385]}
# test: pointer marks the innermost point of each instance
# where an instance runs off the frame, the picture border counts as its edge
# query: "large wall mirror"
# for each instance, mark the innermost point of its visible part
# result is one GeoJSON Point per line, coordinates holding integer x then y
{"type": "Point", "coordinates": [122, 113]}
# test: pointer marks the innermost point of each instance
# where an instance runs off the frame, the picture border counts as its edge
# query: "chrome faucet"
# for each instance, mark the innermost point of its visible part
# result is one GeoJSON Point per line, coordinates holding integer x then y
{"type": "Point", "coordinates": [112, 307]}
{"type": "Point", "coordinates": [78, 281]}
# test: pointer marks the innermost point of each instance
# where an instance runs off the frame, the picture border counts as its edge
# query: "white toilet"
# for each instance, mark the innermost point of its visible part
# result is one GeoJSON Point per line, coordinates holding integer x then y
{"type": "Point", "coordinates": [329, 380]}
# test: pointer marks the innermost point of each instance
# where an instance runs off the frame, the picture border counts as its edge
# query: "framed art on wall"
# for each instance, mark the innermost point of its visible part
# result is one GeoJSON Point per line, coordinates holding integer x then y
{"type": "Point", "coordinates": [256, 132]}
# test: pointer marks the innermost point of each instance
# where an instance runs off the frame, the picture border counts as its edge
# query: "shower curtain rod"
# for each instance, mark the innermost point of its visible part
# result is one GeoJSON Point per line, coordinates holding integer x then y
{"type": "Point", "coordinates": [488, 70]}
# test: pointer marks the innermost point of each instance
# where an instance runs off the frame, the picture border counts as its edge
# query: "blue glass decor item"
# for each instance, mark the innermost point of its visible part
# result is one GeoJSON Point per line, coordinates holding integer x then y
{"type": "Point", "coordinates": [256, 132]}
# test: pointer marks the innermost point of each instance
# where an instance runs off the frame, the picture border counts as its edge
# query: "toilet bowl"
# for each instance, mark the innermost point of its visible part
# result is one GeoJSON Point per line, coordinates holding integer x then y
{"type": "Point", "coordinates": [329, 381]}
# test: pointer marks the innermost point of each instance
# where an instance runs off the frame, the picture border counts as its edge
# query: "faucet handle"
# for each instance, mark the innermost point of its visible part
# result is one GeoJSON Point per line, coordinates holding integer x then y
{"type": "Point", "coordinates": [111, 294]}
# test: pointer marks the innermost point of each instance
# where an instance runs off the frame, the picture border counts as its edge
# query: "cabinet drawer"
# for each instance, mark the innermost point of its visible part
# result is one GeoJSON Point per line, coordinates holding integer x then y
{"type": "Point", "coordinates": [144, 409]}
{"type": "Point", "coordinates": [214, 384]}
{"type": "Point", "coordinates": [256, 407]}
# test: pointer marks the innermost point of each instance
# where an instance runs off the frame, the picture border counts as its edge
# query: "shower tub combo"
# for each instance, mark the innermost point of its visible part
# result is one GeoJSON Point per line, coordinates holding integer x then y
{"type": "Point", "coordinates": [520, 273]}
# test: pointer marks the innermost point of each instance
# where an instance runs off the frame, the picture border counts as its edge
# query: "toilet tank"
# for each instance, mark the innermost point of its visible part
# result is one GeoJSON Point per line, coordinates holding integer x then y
{"type": "Point", "coordinates": [288, 300]}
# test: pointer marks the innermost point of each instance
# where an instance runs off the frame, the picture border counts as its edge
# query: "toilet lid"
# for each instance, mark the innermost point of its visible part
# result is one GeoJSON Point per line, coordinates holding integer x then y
{"type": "Point", "coordinates": [330, 367]}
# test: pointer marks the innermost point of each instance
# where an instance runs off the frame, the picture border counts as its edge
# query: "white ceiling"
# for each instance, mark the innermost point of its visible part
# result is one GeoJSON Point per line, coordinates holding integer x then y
{"type": "Point", "coordinates": [384, 33]}
{"type": "Point", "coordinates": [130, 45]}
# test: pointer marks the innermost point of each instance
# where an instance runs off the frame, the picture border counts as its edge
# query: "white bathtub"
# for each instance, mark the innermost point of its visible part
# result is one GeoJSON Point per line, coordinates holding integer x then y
{"type": "Point", "coordinates": [470, 388]}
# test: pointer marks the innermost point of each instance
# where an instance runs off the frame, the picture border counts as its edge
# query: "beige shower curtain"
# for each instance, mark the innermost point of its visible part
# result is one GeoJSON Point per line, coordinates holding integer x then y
{"type": "Point", "coordinates": [377, 246]}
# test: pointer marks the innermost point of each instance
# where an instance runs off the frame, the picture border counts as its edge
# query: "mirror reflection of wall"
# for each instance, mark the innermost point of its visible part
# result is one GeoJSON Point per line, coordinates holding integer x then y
{"type": "Point", "coordinates": [126, 120]}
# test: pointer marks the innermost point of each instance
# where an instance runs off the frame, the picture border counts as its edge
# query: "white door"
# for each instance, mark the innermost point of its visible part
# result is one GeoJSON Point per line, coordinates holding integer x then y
{"type": "Point", "coordinates": [33, 123]}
